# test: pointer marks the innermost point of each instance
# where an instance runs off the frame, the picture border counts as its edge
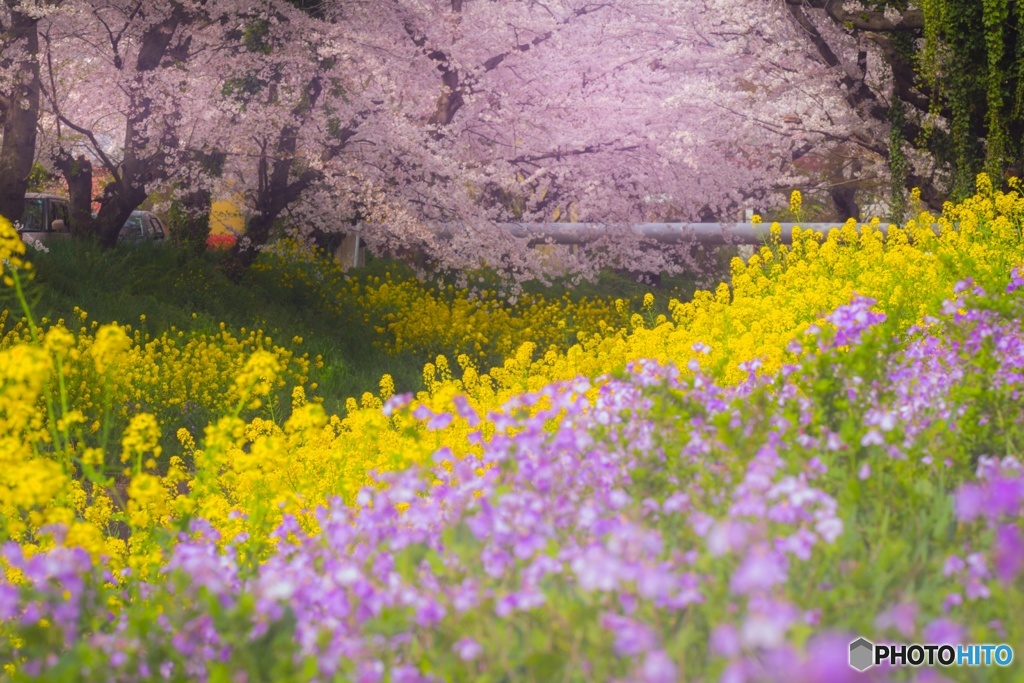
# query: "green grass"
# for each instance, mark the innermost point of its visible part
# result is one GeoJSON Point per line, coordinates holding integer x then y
{"type": "Point", "coordinates": [168, 284]}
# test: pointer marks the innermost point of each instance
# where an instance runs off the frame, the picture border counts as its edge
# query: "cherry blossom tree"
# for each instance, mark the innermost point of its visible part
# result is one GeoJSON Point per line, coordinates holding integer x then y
{"type": "Point", "coordinates": [601, 111]}
{"type": "Point", "coordinates": [430, 122]}
{"type": "Point", "coordinates": [124, 91]}
{"type": "Point", "coordinates": [292, 104]}
{"type": "Point", "coordinates": [477, 112]}
{"type": "Point", "coordinates": [19, 100]}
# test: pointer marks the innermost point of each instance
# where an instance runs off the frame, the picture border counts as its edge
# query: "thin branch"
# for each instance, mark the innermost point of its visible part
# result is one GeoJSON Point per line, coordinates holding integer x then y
{"type": "Point", "coordinates": [107, 163]}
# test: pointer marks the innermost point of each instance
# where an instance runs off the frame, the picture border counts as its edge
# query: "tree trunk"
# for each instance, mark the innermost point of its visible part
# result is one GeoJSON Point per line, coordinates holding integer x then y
{"type": "Point", "coordinates": [276, 192]}
{"type": "Point", "coordinates": [116, 210]}
{"type": "Point", "coordinates": [271, 202]}
{"type": "Point", "coordinates": [844, 198]}
{"type": "Point", "coordinates": [21, 116]}
{"type": "Point", "coordinates": [78, 175]}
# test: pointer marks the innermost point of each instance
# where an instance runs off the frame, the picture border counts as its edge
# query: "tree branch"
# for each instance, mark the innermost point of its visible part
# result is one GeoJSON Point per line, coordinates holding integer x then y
{"type": "Point", "coordinates": [865, 20]}
{"type": "Point", "coordinates": [107, 163]}
{"type": "Point", "coordinates": [558, 154]}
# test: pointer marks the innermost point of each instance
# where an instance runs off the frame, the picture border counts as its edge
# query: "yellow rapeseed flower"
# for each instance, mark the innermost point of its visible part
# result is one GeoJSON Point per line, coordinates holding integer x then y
{"type": "Point", "coordinates": [12, 251]}
{"type": "Point", "coordinates": [110, 344]}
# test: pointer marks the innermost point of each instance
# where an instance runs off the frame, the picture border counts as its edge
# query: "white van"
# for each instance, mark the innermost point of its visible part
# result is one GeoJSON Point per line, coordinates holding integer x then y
{"type": "Point", "coordinates": [46, 217]}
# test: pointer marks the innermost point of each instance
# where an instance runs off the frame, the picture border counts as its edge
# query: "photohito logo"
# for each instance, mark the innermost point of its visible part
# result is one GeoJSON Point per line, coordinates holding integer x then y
{"type": "Point", "coordinates": [864, 654]}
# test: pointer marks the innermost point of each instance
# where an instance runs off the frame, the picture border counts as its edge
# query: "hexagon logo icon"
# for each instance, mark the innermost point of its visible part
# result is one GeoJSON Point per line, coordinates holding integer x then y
{"type": "Point", "coordinates": [862, 654]}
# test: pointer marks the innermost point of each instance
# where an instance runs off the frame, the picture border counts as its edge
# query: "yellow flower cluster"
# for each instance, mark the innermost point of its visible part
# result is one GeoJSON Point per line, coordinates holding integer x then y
{"type": "Point", "coordinates": [12, 252]}
{"type": "Point", "coordinates": [169, 374]}
{"type": "Point", "coordinates": [248, 463]}
{"type": "Point", "coordinates": [63, 392]}
{"type": "Point", "coordinates": [410, 316]}
{"type": "Point", "coordinates": [796, 201]}
{"type": "Point", "coordinates": [783, 289]}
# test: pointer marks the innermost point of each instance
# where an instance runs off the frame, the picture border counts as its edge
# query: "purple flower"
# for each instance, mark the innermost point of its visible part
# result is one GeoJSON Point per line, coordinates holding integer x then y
{"type": "Point", "coordinates": [901, 617]}
{"type": "Point", "coordinates": [725, 537]}
{"type": "Point", "coordinates": [872, 437]}
{"type": "Point", "coordinates": [952, 600]}
{"type": "Point", "coordinates": [465, 596]}
{"type": "Point", "coordinates": [976, 589]}
{"type": "Point", "coordinates": [440, 421]}
{"type": "Point", "coordinates": [677, 502]}
{"type": "Point", "coordinates": [526, 599]}
{"type": "Point", "coordinates": [766, 623]}
{"type": "Point", "coordinates": [9, 600]}
{"type": "Point", "coordinates": [1009, 552]}
{"type": "Point", "coordinates": [406, 673]}
{"type": "Point", "coordinates": [631, 637]}
{"type": "Point", "coordinates": [658, 667]}
{"type": "Point", "coordinates": [991, 499]}
{"type": "Point", "coordinates": [853, 319]}
{"type": "Point", "coordinates": [954, 565]}
{"type": "Point", "coordinates": [370, 672]}
{"type": "Point", "coordinates": [825, 660]}
{"type": "Point", "coordinates": [495, 561]}
{"type": "Point", "coordinates": [466, 411]}
{"type": "Point", "coordinates": [595, 570]}
{"type": "Point", "coordinates": [799, 544]}
{"type": "Point", "coordinates": [736, 672]}
{"type": "Point", "coordinates": [467, 649]}
{"type": "Point", "coordinates": [395, 403]}
{"type": "Point", "coordinates": [617, 498]}
{"type": "Point", "coordinates": [943, 631]}
{"type": "Point", "coordinates": [759, 571]}
{"type": "Point", "coordinates": [976, 566]}
{"type": "Point", "coordinates": [1016, 281]}
{"type": "Point", "coordinates": [829, 528]}
{"type": "Point", "coordinates": [1004, 497]}
{"type": "Point", "coordinates": [725, 641]}
{"type": "Point", "coordinates": [429, 612]}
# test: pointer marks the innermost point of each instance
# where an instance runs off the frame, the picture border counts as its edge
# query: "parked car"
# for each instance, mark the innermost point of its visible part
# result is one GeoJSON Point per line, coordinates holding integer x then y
{"type": "Point", "coordinates": [142, 226]}
{"type": "Point", "coordinates": [46, 217]}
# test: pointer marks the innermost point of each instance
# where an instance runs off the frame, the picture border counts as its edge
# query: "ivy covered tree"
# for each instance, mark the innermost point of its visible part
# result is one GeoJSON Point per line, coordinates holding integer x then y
{"type": "Point", "coordinates": [953, 90]}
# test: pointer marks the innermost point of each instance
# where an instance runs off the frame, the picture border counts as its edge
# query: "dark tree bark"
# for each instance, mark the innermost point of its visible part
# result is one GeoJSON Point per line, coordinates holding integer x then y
{"type": "Point", "coordinates": [117, 203]}
{"type": "Point", "coordinates": [78, 174]}
{"type": "Point", "coordinates": [19, 109]}
{"type": "Point", "coordinates": [844, 198]}
{"type": "Point", "coordinates": [280, 184]}
{"type": "Point", "coordinates": [275, 193]}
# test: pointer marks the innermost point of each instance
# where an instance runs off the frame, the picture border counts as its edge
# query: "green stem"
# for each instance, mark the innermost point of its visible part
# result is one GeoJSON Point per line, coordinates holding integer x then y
{"type": "Point", "coordinates": [34, 332]}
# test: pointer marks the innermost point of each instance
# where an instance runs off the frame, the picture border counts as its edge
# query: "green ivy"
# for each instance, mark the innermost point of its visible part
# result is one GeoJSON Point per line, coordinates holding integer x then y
{"type": "Point", "coordinates": [972, 63]}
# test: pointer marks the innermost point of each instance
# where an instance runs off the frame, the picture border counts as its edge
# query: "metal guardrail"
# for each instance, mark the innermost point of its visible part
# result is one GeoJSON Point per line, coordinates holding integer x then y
{"type": "Point", "coordinates": [663, 233]}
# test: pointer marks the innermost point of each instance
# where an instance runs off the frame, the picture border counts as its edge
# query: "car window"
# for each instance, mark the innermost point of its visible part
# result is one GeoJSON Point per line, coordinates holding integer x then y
{"type": "Point", "coordinates": [132, 229]}
{"type": "Point", "coordinates": [157, 227]}
{"type": "Point", "coordinates": [32, 218]}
